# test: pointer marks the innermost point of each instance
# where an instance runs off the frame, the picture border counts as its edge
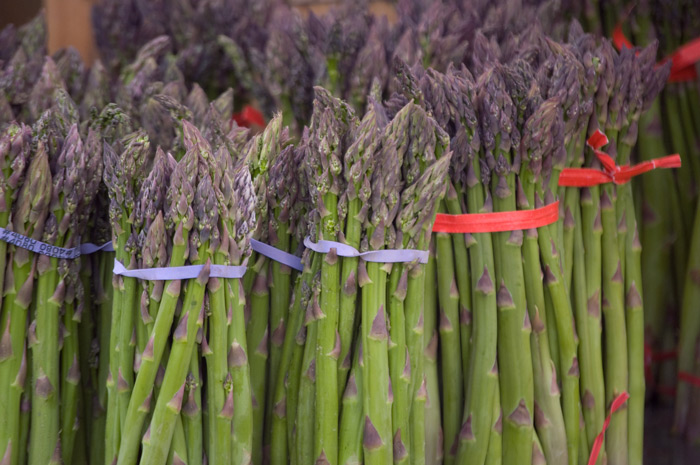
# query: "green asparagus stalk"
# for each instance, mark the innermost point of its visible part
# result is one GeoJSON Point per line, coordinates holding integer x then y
{"type": "Point", "coordinates": [478, 414]}
{"type": "Point", "coordinates": [180, 222]}
{"type": "Point", "coordinates": [60, 230]}
{"type": "Point", "coordinates": [192, 411]}
{"type": "Point", "coordinates": [32, 208]}
{"type": "Point", "coordinates": [286, 387]}
{"type": "Point", "coordinates": [514, 354]}
{"type": "Point", "coordinates": [306, 410]}
{"type": "Point", "coordinates": [535, 150]}
{"type": "Point", "coordinates": [70, 368]}
{"type": "Point", "coordinates": [616, 331]}
{"type": "Point", "coordinates": [377, 438]}
{"type": "Point", "coordinates": [14, 148]}
{"type": "Point", "coordinates": [243, 223]}
{"type": "Point", "coordinates": [426, 415]}
{"type": "Point", "coordinates": [357, 168]}
{"type": "Point", "coordinates": [351, 419]}
{"type": "Point", "coordinates": [168, 406]}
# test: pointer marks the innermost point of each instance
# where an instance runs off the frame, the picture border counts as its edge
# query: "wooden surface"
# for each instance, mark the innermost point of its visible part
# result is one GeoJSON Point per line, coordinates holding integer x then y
{"type": "Point", "coordinates": [69, 24]}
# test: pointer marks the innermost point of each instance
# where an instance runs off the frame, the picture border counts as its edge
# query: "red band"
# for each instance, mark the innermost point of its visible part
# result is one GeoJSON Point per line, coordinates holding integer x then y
{"type": "Point", "coordinates": [650, 357]}
{"type": "Point", "coordinates": [248, 117]}
{"type": "Point", "coordinates": [598, 443]}
{"type": "Point", "coordinates": [668, 391]}
{"type": "Point", "coordinates": [586, 177]}
{"type": "Point", "coordinates": [497, 222]}
{"type": "Point", "coordinates": [689, 378]}
{"type": "Point", "coordinates": [663, 356]}
{"type": "Point", "coordinates": [682, 60]}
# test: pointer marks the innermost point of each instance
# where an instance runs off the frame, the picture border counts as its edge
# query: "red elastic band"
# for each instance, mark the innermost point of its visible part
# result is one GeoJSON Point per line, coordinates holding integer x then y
{"type": "Point", "coordinates": [682, 60]}
{"type": "Point", "coordinates": [586, 177]}
{"type": "Point", "coordinates": [689, 378]}
{"type": "Point", "coordinates": [248, 117]}
{"type": "Point", "coordinates": [648, 359]}
{"type": "Point", "coordinates": [598, 443]}
{"type": "Point", "coordinates": [498, 221]}
{"type": "Point", "coordinates": [669, 391]}
{"type": "Point", "coordinates": [666, 355]}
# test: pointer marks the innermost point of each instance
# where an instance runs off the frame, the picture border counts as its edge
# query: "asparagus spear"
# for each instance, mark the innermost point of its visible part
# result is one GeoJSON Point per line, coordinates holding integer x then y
{"type": "Point", "coordinates": [426, 414]}
{"type": "Point", "coordinates": [169, 403]}
{"type": "Point", "coordinates": [332, 123]}
{"type": "Point", "coordinates": [179, 222]}
{"type": "Point", "coordinates": [29, 217]}
{"type": "Point", "coordinates": [539, 142]}
{"type": "Point", "coordinates": [60, 230]}
{"type": "Point", "coordinates": [123, 179]}
{"type": "Point", "coordinates": [261, 153]}
{"type": "Point", "coordinates": [377, 437]}
{"type": "Point", "coordinates": [515, 373]}
{"type": "Point", "coordinates": [350, 449]}
{"type": "Point", "coordinates": [243, 222]}
{"type": "Point", "coordinates": [358, 164]}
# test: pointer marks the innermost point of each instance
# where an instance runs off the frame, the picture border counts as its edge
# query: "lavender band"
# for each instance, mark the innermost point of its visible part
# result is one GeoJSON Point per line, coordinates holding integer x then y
{"type": "Point", "coordinates": [379, 256]}
{"type": "Point", "coordinates": [178, 272]}
{"type": "Point", "coordinates": [42, 248]}
{"type": "Point", "coordinates": [89, 247]}
{"type": "Point", "coordinates": [277, 255]}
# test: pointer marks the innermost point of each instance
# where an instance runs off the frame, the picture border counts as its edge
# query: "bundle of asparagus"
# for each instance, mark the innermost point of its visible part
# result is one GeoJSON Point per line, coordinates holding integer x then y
{"type": "Point", "coordinates": [51, 201]}
{"type": "Point", "coordinates": [202, 215]}
{"type": "Point", "coordinates": [368, 183]}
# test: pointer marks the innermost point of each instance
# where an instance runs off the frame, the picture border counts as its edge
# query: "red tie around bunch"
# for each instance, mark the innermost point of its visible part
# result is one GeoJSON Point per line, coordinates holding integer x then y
{"type": "Point", "coordinates": [586, 177]}
{"type": "Point", "coordinates": [682, 60]}
{"type": "Point", "coordinates": [598, 443]}
{"type": "Point", "coordinates": [248, 117]}
{"type": "Point", "coordinates": [498, 221]}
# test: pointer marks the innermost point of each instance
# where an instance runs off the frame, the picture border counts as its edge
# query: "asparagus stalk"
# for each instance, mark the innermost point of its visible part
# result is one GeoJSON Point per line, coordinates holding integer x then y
{"type": "Point", "coordinates": [192, 410]}
{"type": "Point", "coordinates": [536, 149]}
{"type": "Point", "coordinates": [616, 331]}
{"type": "Point", "coordinates": [332, 123]}
{"type": "Point", "coordinates": [386, 183]}
{"type": "Point", "coordinates": [358, 164]}
{"type": "Point", "coordinates": [242, 222]}
{"type": "Point", "coordinates": [351, 418]}
{"type": "Point", "coordinates": [260, 154]}
{"type": "Point", "coordinates": [426, 414]}
{"type": "Point", "coordinates": [157, 439]}
{"type": "Point", "coordinates": [32, 208]}
{"type": "Point", "coordinates": [478, 415]}
{"type": "Point", "coordinates": [514, 354]}
{"type": "Point", "coordinates": [14, 148]}
{"type": "Point", "coordinates": [180, 222]}
{"type": "Point", "coordinates": [286, 387]}
{"type": "Point", "coordinates": [60, 229]}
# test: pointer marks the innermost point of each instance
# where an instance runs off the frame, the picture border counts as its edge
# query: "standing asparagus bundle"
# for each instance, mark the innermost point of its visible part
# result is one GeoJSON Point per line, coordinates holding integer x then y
{"type": "Point", "coordinates": [205, 239]}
